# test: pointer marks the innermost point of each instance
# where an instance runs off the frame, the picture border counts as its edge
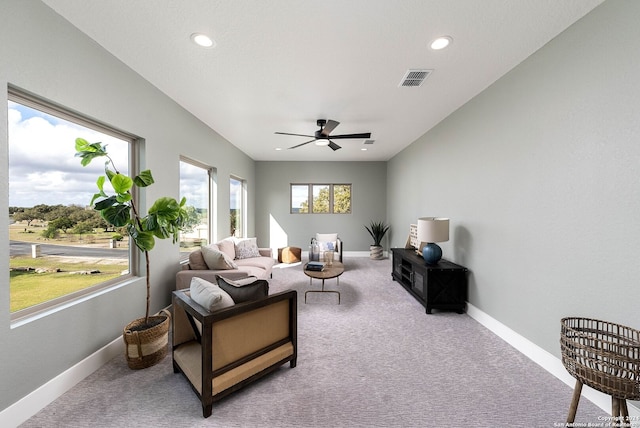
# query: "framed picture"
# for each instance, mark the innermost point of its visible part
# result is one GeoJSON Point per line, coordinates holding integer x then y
{"type": "Point", "coordinates": [412, 241]}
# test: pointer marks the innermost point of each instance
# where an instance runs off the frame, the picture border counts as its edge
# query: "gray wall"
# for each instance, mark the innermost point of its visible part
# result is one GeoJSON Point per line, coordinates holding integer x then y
{"type": "Point", "coordinates": [276, 227]}
{"type": "Point", "coordinates": [42, 53]}
{"type": "Point", "coordinates": [540, 175]}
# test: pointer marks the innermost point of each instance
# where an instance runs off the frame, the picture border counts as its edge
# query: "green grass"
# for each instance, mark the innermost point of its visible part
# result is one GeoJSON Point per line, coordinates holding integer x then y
{"type": "Point", "coordinates": [29, 288]}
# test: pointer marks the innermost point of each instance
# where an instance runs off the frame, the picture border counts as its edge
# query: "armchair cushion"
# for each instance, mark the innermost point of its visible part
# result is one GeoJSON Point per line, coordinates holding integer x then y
{"type": "Point", "coordinates": [327, 237]}
{"type": "Point", "coordinates": [209, 295]}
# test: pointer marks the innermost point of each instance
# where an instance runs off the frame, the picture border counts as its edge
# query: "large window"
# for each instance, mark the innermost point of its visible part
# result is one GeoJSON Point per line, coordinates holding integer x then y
{"type": "Point", "coordinates": [60, 248]}
{"type": "Point", "coordinates": [237, 204]}
{"type": "Point", "coordinates": [320, 198]}
{"type": "Point", "coordinates": [196, 182]}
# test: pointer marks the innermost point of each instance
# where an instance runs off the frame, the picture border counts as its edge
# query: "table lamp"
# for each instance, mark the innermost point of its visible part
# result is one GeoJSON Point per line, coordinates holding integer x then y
{"type": "Point", "coordinates": [430, 231]}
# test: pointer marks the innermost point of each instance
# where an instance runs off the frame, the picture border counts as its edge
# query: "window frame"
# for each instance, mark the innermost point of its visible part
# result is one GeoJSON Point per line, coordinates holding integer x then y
{"type": "Point", "coordinates": [243, 206]}
{"type": "Point", "coordinates": [211, 183]}
{"type": "Point", "coordinates": [25, 98]}
{"type": "Point", "coordinates": [310, 187]}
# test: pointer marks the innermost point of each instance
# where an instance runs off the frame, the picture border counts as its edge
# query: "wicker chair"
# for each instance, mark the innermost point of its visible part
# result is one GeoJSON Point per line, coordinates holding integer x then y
{"type": "Point", "coordinates": [604, 356]}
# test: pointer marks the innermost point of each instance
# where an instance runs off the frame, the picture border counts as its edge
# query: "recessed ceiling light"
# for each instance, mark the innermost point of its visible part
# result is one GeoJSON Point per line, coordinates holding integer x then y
{"type": "Point", "coordinates": [202, 40]}
{"type": "Point", "coordinates": [278, 149]}
{"type": "Point", "coordinates": [441, 43]}
{"type": "Point", "coordinates": [364, 149]}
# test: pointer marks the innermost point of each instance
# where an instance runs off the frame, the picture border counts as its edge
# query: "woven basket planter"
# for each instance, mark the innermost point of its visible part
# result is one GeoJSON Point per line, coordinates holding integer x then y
{"type": "Point", "coordinates": [147, 347]}
{"type": "Point", "coordinates": [602, 355]}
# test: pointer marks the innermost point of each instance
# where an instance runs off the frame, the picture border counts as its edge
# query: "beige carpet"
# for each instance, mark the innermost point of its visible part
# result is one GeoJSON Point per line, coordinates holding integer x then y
{"type": "Point", "coordinates": [375, 360]}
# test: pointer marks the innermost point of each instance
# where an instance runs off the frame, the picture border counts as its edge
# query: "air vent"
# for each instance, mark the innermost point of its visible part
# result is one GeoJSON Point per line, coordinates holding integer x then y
{"type": "Point", "coordinates": [414, 78]}
{"type": "Point", "coordinates": [369, 141]}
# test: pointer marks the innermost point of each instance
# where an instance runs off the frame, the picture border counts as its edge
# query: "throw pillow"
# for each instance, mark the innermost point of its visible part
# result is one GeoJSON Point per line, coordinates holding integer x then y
{"type": "Point", "coordinates": [326, 246]}
{"type": "Point", "coordinates": [209, 295]}
{"type": "Point", "coordinates": [254, 291]}
{"type": "Point", "coordinates": [228, 247]}
{"type": "Point", "coordinates": [196, 261]}
{"type": "Point", "coordinates": [247, 248]}
{"type": "Point", "coordinates": [239, 282]}
{"type": "Point", "coordinates": [216, 259]}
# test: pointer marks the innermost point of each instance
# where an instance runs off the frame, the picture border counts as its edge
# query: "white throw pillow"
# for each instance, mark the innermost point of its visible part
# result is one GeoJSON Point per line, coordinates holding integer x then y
{"type": "Point", "coordinates": [240, 282]}
{"type": "Point", "coordinates": [217, 259]}
{"type": "Point", "coordinates": [247, 248]}
{"type": "Point", "coordinates": [209, 295]}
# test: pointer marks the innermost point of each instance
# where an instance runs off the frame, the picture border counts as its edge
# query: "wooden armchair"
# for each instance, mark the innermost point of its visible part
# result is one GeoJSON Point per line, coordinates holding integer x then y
{"type": "Point", "coordinates": [220, 352]}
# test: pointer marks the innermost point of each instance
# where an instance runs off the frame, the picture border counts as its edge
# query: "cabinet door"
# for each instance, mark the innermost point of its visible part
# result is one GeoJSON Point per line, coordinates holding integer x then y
{"type": "Point", "coordinates": [397, 266]}
{"type": "Point", "coordinates": [418, 283]}
{"type": "Point", "coordinates": [447, 287]}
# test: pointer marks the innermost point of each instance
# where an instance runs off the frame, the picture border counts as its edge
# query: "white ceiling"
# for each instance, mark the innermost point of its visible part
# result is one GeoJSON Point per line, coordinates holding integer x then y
{"type": "Point", "coordinates": [280, 65]}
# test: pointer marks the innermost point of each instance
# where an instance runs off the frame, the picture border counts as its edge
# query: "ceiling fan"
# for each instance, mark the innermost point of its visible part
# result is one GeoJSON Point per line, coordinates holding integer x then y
{"type": "Point", "coordinates": [322, 136]}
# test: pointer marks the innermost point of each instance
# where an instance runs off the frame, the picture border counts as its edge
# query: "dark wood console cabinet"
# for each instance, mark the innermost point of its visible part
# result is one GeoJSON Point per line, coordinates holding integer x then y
{"type": "Point", "coordinates": [439, 286]}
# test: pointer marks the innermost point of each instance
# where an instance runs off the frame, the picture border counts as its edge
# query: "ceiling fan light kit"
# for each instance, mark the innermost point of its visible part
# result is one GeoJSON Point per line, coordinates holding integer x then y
{"type": "Point", "coordinates": [322, 136]}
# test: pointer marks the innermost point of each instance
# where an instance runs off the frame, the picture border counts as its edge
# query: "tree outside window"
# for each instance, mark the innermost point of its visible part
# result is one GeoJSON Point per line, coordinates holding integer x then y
{"type": "Point", "coordinates": [320, 198]}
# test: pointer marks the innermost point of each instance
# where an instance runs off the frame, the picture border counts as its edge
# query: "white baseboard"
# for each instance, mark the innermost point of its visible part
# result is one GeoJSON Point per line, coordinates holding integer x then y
{"type": "Point", "coordinates": [31, 404]}
{"type": "Point", "coordinates": [545, 360]}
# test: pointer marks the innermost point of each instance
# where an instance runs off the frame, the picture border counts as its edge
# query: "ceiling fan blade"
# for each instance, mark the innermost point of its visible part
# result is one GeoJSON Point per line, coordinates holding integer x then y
{"type": "Point", "coordinates": [343, 136]}
{"type": "Point", "coordinates": [310, 141]}
{"type": "Point", "coordinates": [297, 135]}
{"type": "Point", "coordinates": [330, 126]}
{"type": "Point", "coordinates": [334, 146]}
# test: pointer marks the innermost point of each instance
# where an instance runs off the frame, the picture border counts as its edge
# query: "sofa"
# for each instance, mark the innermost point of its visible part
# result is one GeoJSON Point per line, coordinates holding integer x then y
{"type": "Point", "coordinates": [232, 258]}
{"type": "Point", "coordinates": [221, 350]}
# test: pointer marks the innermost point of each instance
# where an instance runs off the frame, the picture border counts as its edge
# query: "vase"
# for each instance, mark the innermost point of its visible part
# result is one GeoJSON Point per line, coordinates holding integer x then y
{"type": "Point", "coordinates": [375, 252]}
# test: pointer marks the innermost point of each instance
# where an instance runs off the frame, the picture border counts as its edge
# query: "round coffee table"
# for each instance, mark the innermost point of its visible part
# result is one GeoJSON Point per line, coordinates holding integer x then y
{"type": "Point", "coordinates": [333, 271]}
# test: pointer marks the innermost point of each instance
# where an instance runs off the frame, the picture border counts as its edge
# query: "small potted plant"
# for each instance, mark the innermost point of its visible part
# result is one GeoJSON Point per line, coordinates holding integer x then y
{"type": "Point", "coordinates": [164, 219]}
{"type": "Point", "coordinates": [377, 230]}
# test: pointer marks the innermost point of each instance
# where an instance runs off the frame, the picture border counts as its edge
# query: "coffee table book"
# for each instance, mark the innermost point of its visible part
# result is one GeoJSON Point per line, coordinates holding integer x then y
{"type": "Point", "coordinates": [315, 266]}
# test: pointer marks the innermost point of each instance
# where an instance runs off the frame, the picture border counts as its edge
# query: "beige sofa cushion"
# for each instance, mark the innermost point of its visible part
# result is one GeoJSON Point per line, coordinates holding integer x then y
{"type": "Point", "coordinates": [228, 247]}
{"type": "Point", "coordinates": [264, 263]}
{"type": "Point", "coordinates": [216, 259]}
{"type": "Point", "coordinates": [196, 261]}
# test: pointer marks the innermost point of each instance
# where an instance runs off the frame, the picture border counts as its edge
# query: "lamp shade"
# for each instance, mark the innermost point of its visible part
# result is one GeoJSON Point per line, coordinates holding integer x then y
{"type": "Point", "coordinates": [433, 229]}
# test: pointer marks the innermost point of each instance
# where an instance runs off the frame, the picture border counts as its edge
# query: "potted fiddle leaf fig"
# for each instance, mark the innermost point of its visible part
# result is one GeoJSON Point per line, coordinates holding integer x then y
{"type": "Point", "coordinates": [377, 230]}
{"type": "Point", "coordinates": [146, 338]}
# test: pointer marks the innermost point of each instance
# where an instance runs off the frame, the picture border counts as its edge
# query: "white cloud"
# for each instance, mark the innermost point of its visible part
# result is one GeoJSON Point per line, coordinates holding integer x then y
{"type": "Point", "coordinates": [42, 165]}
